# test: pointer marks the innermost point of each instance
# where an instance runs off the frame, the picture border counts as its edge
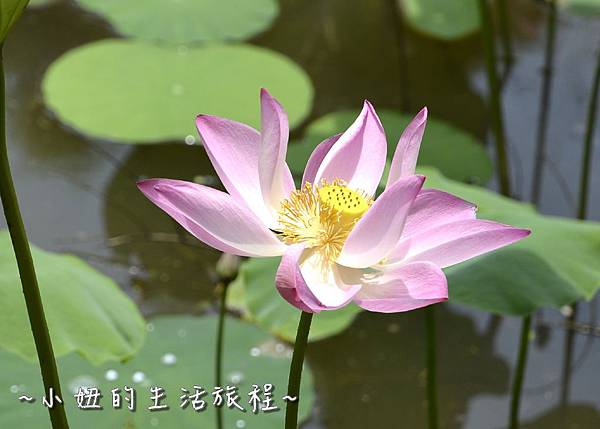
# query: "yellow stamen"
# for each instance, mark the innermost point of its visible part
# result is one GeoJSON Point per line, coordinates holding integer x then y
{"type": "Point", "coordinates": [322, 217]}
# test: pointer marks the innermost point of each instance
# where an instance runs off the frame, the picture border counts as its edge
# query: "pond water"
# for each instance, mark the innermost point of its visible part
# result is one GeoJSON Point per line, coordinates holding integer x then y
{"type": "Point", "coordinates": [79, 196]}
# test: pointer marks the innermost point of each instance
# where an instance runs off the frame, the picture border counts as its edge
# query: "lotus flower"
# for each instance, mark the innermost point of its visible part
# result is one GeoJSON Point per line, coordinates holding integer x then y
{"type": "Point", "coordinates": [338, 242]}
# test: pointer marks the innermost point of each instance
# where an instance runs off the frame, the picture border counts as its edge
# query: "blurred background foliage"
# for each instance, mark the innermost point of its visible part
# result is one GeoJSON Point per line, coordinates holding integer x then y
{"type": "Point", "coordinates": [102, 93]}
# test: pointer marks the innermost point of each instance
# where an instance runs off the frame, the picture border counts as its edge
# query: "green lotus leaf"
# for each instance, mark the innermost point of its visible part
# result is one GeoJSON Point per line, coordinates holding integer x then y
{"type": "Point", "coordinates": [179, 353]}
{"type": "Point", "coordinates": [135, 92]}
{"type": "Point", "coordinates": [442, 19]}
{"type": "Point", "coordinates": [86, 311]}
{"type": "Point", "coordinates": [186, 21]}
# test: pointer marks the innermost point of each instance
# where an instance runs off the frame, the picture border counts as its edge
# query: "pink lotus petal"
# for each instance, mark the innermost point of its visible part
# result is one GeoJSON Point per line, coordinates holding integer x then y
{"type": "Point", "coordinates": [303, 284]}
{"type": "Point", "coordinates": [411, 286]}
{"type": "Point", "coordinates": [378, 231]}
{"type": "Point", "coordinates": [433, 208]}
{"type": "Point", "coordinates": [316, 158]}
{"type": "Point", "coordinates": [407, 150]}
{"type": "Point", "coordinates": [276, 181]}
{"type": "Point", "coordinates": [213, 217]}
{"type": "Point", "coordinates": [358, 157]}
{"type": "Point", "coordinates": [449, 244]}
{"type": "Point", "coordinates": [233, 149]}
{"type": "Point", "coordinates": [291, 284]}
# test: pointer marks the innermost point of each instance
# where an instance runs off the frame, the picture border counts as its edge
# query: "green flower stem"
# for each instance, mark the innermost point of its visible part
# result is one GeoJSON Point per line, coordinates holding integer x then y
{"type": "Point", "coordinates": [291, 408]}
{"type": "Point", "coordinates": [219, 348]}
{"type": "Point", "coordinates": [581, 214]}
{"type": "Point", "coordinates": [432, 405]}
{"type": "Point", "coordinates": [519, 373]}
{"type": "Point", "coordinates": [505, 187]}
{"type": "Point", "coordinates": [540, 148]}
{"type": "Point", "coordinates": [504, 21]}
{"type": "Point", "coordinates": [31, 291]}
{"type": "Point", "coordinates": [495, 106]}
{"type": "Point", "coordinates": [401, 43]}
{"type": "Point", "coordinates": [568, 356]}
{"type": "Point", "coordinates": [588, 145]}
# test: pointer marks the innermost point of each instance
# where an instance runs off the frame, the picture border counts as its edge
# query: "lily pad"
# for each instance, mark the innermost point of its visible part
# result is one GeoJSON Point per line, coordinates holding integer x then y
{"type": "Point", "coordinates": [86, 311]}
{"type": "Point", "coordinates": [254, 293]}
{"type": "Point", "coordinates": [10, 11]}
{"type": "Point", "coordinates": [186, 21]}
{"type": "Point", "coordinates": [555, 266]}
{"type": "Point", "coordinates": [442, 19]}
{"type": "Point", "coordinates": [454, 152]}
{"type": "Point", "coordinates": [135, 92]}
{"type": "Point", "coordinates": [179, 353]}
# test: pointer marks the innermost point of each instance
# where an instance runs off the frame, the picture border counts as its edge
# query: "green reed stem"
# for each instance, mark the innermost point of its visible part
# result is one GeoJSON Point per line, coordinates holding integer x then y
{"type": "Point", "coordinates": [540, 148]}
{"type": "Point", "coordinates": [402, 45]}
{"type": "Point", "coordinates": [432, 404]}
{"type": "Point", "coordinates": [588, 145]}
{"type": "Point", "coordinates": [291, 408]}
{"type": "Point", "coordinates": [495, 101]}
{"type": "Point", "coordinates": [31, 290]}
{"type": "Point", "coordinates": [519, 373]}
{"type": "Point", "coordinates": [581, 214]}
{"type": "Point", "coordinates": [504, 22]}
{"type": "Point", "coordinates": [219, 348]}
{"type": "Point", "coordinates": [568, 356]}
{"type": "Point", "coordinates": [505, 187]}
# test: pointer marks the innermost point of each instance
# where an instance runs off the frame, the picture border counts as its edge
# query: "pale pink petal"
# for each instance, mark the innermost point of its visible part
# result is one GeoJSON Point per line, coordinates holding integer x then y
{"type": "Point", "coordinates": [411, 286]}
{"type": "Point", "coordinates": [433, 208]}
{"type": "Point", "coordinates": [302, 281]}
{"type": "Point", "coordinates": [316, 158]}
{"type": "Point", "coordinates": [291, 284]}
{"type": "Point", "coordinates": [456, 242]}
{"type": "Point", "coordinates": [407, 150]}
{"type": "Point", "coordinates": [378, 231]}
{"type": "Point", "coordinates": [233, 149]}
{"type": "Point", "coordinates": [213, 217]}
{"type": "Point", "coordinates": [358, 157]}
{"type": "Point", "coordinates": [276, 181]}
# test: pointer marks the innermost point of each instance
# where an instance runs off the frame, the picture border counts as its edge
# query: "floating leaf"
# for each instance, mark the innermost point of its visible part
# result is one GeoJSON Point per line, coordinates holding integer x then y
{"type": "Point", "coordinates": [584, 7]}
{"type": "Point", "coordinates": [86, 311]}
{"type": "Point", "coordinates": [134, 92]}
{"type": "Point", "coordinates": [10, 10]}
{"type": "Point", "coordinates": [442, 19]}
{"type": "Point", "coordinates": [186, 21]}
{"type": "Point", "coordinates": [255, 294]}
{"type": "Point", "coordinates": [178, 353]}
{"type": "Point", "coordinates": [555, 266]}
{"type": "Point", "coordinates": [456, 153]}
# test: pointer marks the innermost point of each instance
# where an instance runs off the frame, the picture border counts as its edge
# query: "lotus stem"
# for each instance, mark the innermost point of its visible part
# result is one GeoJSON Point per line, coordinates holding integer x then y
{"type": "Point", "coordinates": [540, 148]}
{"type": "Point", "coordinates": [505, 187]}
{"type": "Point", "coordinates": [291, 409]}
{"type": "Point", "coordinates": [219, 348]}
{"type": "Point", "coordinates": [588, 144]}
{"type": "Point", "coordinates": [581, 214]}
{"type": "Point", "coordinates": [432, 405]}
{"type": "Point", "coordinates": [568, 356]}
{"type": "Point", "coordinates": [31, 290]}
{"type": "Point", "coordinates": [504, 21]}
{"type": "Point", "coordinates": [519, 373]}
{"type": "Point", "coordinates": [401, 38]}
{"type": "Point", "coordinates": [494, 97]}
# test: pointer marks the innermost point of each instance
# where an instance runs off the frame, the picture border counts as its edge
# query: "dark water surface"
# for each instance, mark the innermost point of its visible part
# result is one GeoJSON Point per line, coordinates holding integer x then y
{"type": "Point", "coordinates": [79, 196]}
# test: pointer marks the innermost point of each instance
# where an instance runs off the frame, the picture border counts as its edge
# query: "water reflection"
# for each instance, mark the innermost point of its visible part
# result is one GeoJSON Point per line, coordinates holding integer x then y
{"type": "Point", "coordinates": [373, 375]}
{"type": "Point", "coordinates": [80, 196]}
